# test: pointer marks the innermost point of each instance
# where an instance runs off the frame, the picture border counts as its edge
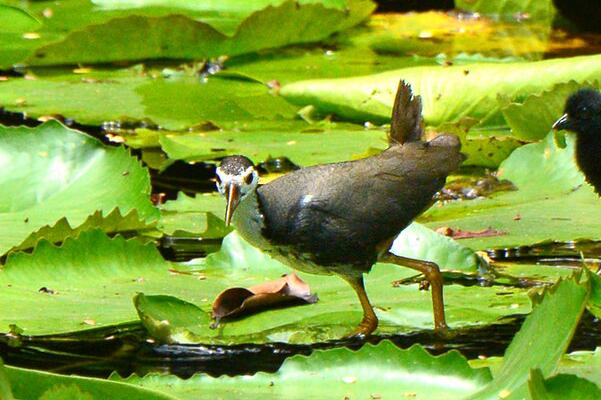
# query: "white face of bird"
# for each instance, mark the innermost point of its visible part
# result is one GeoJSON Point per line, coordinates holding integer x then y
{"type": "Point", "coordinates": [236, 178]}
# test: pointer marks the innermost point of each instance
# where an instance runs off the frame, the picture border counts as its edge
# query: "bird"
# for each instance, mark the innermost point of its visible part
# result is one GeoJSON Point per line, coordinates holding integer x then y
{"type": "Point", "coordinates": [341, 218]}
{"type": "Point", "coordinates": [582, 115]}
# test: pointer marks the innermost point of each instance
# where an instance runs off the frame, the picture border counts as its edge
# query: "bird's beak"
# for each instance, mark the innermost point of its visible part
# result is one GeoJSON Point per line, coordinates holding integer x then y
{"type": "Point", "coordinates": [232, 197]}
{"type": "Point", "coordinates": [562, 123]}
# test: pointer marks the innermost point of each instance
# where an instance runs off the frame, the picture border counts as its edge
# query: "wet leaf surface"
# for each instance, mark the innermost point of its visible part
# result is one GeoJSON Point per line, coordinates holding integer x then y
{"type": "Point", "coordinates": [449, 93]}
{"type": "Point", "coordinates": [379, 371]}
{"type": "Point", "coordinates": [547, 179]}
{"type": "Point", "coordinates": [30, 384]}
{"type": "Point", "coordinates": [546, 333]}
{"type": "Point", "coordinates": [99, 32]}
{"type": "Point", "coordinates": [57, 176]}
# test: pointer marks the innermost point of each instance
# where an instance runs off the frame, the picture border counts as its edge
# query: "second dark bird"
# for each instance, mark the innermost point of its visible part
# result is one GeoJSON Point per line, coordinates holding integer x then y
{"type": "Point", "coordinates": [582, 115]}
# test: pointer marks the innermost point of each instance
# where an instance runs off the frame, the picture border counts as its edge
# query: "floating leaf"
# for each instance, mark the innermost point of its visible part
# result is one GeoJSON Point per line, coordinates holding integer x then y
{"type": "Point", "coordinates": [199, 216]}
{"type": "Point", "coordinates": [81, 32]}
{"type": "Point", "coordinates": [59, 179]}
{"type": "Point", "coordinates": [134, 96]}
{"type": "Point", "coordinates": [374, 371]}
{"type": "Point", "coordinates": [541, 9]}
{"type": "Point", "coordinates": [561, 387]}
{"type": "Point", "coordinates": [532, 119]}
{"type": "Point", "coordinates": [546, 333]}
{"type": "Point", "coordinates": [449, 93]}
{"type": "Point", "coordinates": [303, 144]}
{"type": "Point", "coordinates": [547, 179]}
{"type": "Point", "coordinates": [31, 384]}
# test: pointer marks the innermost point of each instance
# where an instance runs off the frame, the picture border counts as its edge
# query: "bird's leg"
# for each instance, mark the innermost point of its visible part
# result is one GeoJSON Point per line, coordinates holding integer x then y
{"type": "Point", "coordinates": [433, 275]}
{"type": "Point", "coordinates": [369, 323]}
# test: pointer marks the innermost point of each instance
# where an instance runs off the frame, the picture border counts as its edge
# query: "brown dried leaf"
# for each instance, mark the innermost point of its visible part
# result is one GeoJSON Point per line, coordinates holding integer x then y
{"type": "Point", "coordinates": [286, 291]}
{"type": "Point", "coordinates": [460, 234]}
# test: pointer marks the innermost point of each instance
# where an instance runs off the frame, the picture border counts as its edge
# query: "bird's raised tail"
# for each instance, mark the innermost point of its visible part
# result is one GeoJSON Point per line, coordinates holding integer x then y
{"type": "Point", "coordinates": [407, 123]}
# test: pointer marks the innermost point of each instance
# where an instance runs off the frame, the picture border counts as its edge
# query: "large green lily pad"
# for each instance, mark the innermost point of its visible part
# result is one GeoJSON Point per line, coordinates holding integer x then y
{"type": "Point", "coordinates": [31, 384]}
{"type": "Point", "coordinates": [59, 179]}
{"type": "Point", "coordinates": [131, 95]}
{"type": "Point", "coordinates": [83, 31]}
{"type": "Point", "coordinates": [448, 93]}
{"type": "Point", "coordinates": [552, 202]}
{"type": "Point", "coordinates": [380, 371]}
{"type": "Point", "coordinates": [91, 280]}
{"type": "Point", "coordinates": [303, 144]}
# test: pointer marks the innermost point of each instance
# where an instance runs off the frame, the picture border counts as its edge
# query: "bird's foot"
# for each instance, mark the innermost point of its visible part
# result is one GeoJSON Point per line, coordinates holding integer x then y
{"type": "Point", "coordinates": [363, 331]}
{"type": "Point", "coordinates": [444, 332]}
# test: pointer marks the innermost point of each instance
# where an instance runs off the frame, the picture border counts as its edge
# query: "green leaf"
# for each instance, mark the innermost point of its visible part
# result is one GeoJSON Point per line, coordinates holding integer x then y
{"type": "Point", "coordinates": [546, 334]}
{"type": "Point", "coordinates": [532, 119]}
{"type": "Point", "coordinates": [449, 94]}
{"type": "Point", "coordinates": [88, 281]}
{"type": "Point", "coordinates": [561, 387]}
{"type": "Point", "coordinates": [417, 241]}
{"type": "Point", "coordinates": [594, 301]}
{"type": "Point", "coordinates": [81, 32]}
{"type": "Point", "coordinates": [134, 95]}
{"type": "Point", "coordinates": [537, 9]}
{"type": "Point", "coordinates": [377, 371]}
{"type": "Point", "coordinates": [31, 384]}
{"type": "Point", "coordinates": [169, 319]}
{"type": "Point", "coordinates": [584, 364]}
{"type": "Point", "coordinates": [201, 215]}
{"type": "Point", "coordinates": [5, 390]}
{"type": "Point", "coordinates": [400, 309]}
{"type": "Point", "coordinates": [547, 179]}
{"type": "Point", "coordinates": [16, 20]}
{"type": "Point", "coordinates": [53, 172]}
{"type": "Point", "coordinates": [303, 144]}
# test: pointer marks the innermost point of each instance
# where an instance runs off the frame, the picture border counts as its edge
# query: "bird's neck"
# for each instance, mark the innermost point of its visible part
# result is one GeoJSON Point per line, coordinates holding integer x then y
{"type": "Point", "coordinates": [249, 220]}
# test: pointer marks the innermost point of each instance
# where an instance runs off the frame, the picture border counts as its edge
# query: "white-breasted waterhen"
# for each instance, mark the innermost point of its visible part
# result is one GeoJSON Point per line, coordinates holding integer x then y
{"type": "Point", "coordinates": [339, 219]}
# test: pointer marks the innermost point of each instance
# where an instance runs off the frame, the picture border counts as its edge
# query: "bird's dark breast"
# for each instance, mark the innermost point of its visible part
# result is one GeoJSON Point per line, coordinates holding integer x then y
{"type": "Point", "coordinates": [588, 157]}
{"type": "Point", "coordinates": [341, 214]}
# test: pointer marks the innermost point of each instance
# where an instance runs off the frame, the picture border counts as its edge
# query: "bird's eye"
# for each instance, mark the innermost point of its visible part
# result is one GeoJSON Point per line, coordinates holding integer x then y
{"type": "Point", "coordinates": [584, 111]}
{"type": "Point", "coordinates": [248, 179]}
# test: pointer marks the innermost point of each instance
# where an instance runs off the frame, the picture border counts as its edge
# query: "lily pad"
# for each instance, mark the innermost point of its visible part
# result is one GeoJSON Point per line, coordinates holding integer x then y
{"type": "Point", "coordinates": [134, 95]}
{"type": "Point", "coordinates": [510, 8]}
{"type": "Point", "coordinates": [84, 32]}
{"type": "Point", "coordinates": [303, 144]}
{"type": "Point", "coordinates": [90, 281]}
{"type": "Point", "coordinates": [400, 309]}
{"type": "Point", "coordinates": [546, 333]}
{"type": "Point", "coordinates": [199, 216]}
{"type": "Point", "coordinates": [547, 180]}
{"type": "Point", "coordinates": [531, 119]}
{"type": "Point", "coordinates": [561, 387]}
{"type": "Point", "coordinates": [374, 371]}
{"type": "Point", "coordinates": [449, 93]}
{"type": "Point", "coordinates": [31, 384]}
{"type": "Point", "coordinates": [59, 179]}
{"type": "Point", "coordinates": [584, 364]}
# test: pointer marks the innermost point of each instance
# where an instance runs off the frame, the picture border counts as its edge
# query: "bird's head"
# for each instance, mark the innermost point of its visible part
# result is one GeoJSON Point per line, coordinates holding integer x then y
{"type": "Point", "coordinates": [582, 113]}
{"type": "Point", "coordinates": [236, 178]}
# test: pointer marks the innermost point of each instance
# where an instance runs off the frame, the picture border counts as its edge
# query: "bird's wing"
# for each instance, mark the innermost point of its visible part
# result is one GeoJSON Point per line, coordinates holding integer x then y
{"type": "Point", "coordinates": [342, 212]}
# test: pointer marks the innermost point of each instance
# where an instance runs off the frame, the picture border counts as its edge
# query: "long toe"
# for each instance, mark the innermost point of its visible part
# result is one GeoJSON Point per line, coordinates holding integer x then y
{"type": "Point", "coordinates": [364, 330]}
